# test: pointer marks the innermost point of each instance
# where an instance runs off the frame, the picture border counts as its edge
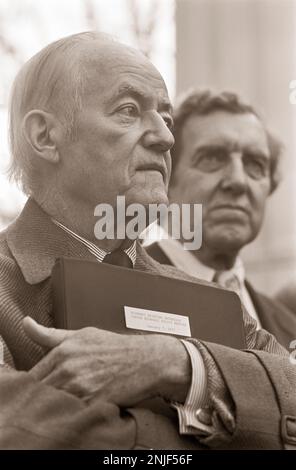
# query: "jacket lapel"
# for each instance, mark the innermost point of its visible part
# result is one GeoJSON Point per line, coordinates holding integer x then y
{"type": "Point", "coordinates": [36, 242]}
{"type": "Point", "coordinates": [274, 317]}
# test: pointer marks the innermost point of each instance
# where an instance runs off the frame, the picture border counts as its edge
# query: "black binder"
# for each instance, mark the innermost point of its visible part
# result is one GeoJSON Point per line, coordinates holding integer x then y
{"type": "Point", "coordinates": [88, 293]}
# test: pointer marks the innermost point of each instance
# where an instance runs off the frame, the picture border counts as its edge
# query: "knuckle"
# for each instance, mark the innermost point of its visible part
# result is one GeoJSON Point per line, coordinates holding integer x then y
{"type": "Point", "coordinates": [90, 331]}
{"type": "Point", "coordinates": [66, 370]}
{"type": "Point", "coordinates": [62, 352]}
{"type": "Point", "coordinates": [78, 388]}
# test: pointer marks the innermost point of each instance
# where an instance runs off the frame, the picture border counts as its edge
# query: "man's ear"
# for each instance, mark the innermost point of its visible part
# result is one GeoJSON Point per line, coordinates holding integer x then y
{"type": "Point", "coordinates": [41, 130]}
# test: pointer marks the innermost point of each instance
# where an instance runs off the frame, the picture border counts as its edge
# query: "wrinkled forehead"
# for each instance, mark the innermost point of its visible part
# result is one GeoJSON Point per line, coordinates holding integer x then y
{"type": "Point", "coordinates": [226, 128]}
{"type": "Point", "coordinates": [113, 68]}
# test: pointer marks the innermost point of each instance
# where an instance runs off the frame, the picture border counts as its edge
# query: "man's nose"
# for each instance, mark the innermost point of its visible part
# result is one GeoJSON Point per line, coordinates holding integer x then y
{"type": "Point", "coordinates": [235, 178]}
{"type": "Point", "coordinates": [157, 135]}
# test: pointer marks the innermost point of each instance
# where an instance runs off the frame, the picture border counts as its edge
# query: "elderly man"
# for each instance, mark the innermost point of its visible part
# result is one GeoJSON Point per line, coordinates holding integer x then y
{"type": "Point", "coordinates": [90, 120]}
{"type": "Point", "coordinates": [225, 159]}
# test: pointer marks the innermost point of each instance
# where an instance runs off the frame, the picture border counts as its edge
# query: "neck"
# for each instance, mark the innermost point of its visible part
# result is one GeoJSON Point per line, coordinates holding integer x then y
{"type": "Point", "coordinates": [215, 260]}
{"type": "Point", "coordinates": [82, 221]}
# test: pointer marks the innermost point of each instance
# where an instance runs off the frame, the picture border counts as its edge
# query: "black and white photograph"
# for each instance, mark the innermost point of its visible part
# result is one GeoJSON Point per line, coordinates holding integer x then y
{"type": "Point", "coordinates": [147, 229]}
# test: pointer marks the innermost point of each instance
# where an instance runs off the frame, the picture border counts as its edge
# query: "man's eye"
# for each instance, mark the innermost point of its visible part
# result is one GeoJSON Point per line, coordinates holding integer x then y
{"type": "Point", "coordinates": [169, 122]}
{"type": "Point", "coordinates": [256, 169]}
{"type": "Point", "coordinates": [212, 161]}
{"type": "Point", "coordinates": [129, 110]}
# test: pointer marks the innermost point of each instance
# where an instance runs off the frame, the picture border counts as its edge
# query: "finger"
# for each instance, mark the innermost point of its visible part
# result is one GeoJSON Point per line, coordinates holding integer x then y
{"type": "Point", "coordinates": [54, 378]}
{"type": "Point", "coordinates": [46, 337]}
{"type": "Point", "coordinates": [57, 379]}
{"type": "Point", "coordinates": [43, 368]}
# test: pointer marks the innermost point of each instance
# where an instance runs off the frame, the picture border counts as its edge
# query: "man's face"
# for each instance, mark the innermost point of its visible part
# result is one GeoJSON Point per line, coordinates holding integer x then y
{"type": "Point", "coordinates": [122, 134]}
{"type": "Point", "coordinates": [225, 166]}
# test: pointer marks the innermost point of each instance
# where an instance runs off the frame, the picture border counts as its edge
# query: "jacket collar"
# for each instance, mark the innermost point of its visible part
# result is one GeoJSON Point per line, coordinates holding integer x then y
{"type": "Point", "coordinates": [36, 243]}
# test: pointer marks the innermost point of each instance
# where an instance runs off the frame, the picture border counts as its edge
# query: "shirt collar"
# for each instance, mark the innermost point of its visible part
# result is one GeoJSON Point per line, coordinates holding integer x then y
{"type": "Point", "coordinates": [190, 264]}
{"type": "Point", "coordinates": [238, 270]}
{"type": "Point", "coordinates": [35, 243]}
{"type": "Point", "coordinates": [98, 253]}
{"type": "Point", "coordinates": [187, 262]}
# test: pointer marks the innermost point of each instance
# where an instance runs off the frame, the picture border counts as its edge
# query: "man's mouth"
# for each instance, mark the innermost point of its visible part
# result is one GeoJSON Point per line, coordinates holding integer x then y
{"type": "Point", "coordinates": [155, 167]}
{"type": "Point", "coordinates": [229, 210]}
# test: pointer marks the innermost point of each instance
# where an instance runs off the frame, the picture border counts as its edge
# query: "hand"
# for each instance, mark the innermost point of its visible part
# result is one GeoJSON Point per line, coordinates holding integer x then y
{"type": "Point", "coordinates": [123, 369]}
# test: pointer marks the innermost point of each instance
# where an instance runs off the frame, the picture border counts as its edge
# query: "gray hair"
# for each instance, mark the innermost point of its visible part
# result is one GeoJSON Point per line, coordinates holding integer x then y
{"type": "Point", "coordinates": [52, 80]}
{"type": "Point", "coordinates": [205, 101]}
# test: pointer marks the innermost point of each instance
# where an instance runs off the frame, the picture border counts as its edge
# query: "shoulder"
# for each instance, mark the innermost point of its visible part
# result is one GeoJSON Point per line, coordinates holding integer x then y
{"type": "Point", "coordinates": [278, 303]}
{"type": "Point", "coordinates": [176, 273]}
{"type": "Point", "coordinates": [148, 263]}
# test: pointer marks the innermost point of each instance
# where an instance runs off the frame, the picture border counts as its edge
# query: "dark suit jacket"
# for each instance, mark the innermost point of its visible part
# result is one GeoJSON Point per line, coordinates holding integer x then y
{"type": "Point", "coordinates": [33, 415]}
{"type": "Point", "coordinates": [287, 296]}
{"type": "Point", "coordinates": [274, 316]}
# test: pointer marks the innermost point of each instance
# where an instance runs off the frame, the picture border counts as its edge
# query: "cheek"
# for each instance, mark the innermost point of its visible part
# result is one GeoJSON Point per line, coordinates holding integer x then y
{"type": "Point", "coordinates": [168, 162]}
{"type": "Point", "coordinates": [201, 189]}
{"type": "Point", "coordinates": [259, 200]}
{"type": "Point", "coordinates": [259, 193]}
{"type": "Point", "coordinates": [108, 140]}
{"type": "Point", "coordinates": [193, 188]}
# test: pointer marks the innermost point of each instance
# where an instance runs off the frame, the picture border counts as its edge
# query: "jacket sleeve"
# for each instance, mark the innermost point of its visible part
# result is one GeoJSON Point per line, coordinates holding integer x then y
{"type": "Point", "coordinates": [251, 394]}
{"type": "Point", "coordinates": [37, 416]}
{"type": "Point", "coordinates": [285, 386]}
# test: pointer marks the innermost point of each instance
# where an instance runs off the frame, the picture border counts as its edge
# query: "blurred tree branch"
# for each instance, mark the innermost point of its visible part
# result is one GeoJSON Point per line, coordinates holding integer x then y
{"type": "Point", "coordinates": [7, 47]}
{"type": "Point", "coordinates": [144, 33]}
{"type": "Point", "coordinates": [91, 15]}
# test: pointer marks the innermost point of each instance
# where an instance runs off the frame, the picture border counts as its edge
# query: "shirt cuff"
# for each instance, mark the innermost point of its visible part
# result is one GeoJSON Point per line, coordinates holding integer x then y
{"type": "Point", "coordinates": [197, 397]}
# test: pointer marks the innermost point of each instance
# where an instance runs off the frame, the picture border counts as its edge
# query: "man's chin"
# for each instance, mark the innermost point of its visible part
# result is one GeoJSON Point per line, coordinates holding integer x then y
{"type": "Point", "coordinates": [229, 240]}
{"type": "Point", "coordinates": [155, 196]}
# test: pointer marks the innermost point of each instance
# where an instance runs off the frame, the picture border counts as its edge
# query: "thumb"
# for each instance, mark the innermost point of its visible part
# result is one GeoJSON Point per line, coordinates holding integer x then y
{"type": "Point", "coordinates": [46, 337]}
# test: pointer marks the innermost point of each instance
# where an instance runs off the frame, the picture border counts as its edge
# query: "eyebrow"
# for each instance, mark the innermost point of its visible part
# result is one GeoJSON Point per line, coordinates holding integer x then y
{"type": "Point", "coordinates": [202, 148]}
{"type": "Point", "coordinates": [126, 89]}
{"type": "Point", "coordinates": [225, 145]}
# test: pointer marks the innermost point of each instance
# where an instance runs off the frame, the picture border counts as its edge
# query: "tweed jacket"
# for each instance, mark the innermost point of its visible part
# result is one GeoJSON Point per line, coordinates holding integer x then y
{"type": "Point", "coordinates": [264, 412]}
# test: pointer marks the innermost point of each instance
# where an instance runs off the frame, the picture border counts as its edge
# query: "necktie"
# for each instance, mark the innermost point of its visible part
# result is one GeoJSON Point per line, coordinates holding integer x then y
{"type": "Point", "coordinates": [230, 280]}
{"type": "Point", "coordinates": [227, 279]}
{"type": "Point", "coordinates": [118, 258]}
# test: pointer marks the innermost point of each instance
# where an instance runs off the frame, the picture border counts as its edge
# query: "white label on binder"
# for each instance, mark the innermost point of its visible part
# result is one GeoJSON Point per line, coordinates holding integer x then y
{"type": "Point", "coordinates": [159, 322]}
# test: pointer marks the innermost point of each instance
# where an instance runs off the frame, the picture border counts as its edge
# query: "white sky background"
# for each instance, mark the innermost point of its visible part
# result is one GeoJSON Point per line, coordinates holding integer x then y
{"type": "Point", "coordinates": [28, 25]}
